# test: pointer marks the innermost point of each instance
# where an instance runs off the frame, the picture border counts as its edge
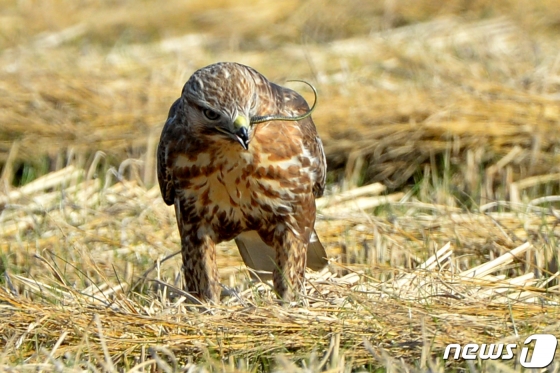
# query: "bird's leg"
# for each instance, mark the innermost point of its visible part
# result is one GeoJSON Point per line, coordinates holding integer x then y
{"type": "Point", "coordinates": [199, 267]}
{"type": "Point", "coordinates": [290, 261]}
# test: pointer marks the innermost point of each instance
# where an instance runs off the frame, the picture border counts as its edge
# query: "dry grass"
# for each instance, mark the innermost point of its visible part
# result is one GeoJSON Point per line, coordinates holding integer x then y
{"type": "Point", "coordinates": [452, 106]}
{"type": "Point", "coordinates": [87, 283]}
{"type": "Point", "coordinates": [474, 82]}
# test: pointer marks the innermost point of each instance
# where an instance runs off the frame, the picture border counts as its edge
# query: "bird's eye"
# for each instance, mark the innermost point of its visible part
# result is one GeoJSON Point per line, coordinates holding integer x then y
{"type": "Point", "coordinates": [210, 114]}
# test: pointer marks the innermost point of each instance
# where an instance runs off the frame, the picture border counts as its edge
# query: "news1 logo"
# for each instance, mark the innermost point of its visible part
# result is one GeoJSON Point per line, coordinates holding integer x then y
{"type": "Point", "coordinates": [543, 351]}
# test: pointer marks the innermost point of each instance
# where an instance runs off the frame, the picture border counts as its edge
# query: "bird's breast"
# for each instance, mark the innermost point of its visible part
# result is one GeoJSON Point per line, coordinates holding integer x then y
{"type": "Point", "coordinates": [229, 187]}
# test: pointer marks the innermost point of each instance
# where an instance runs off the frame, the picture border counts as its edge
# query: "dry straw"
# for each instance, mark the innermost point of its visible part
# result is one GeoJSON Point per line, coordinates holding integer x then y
{"type": "Point", "coordinates": [458, 100]}
{"type": "Point", "coordinates": [74, 250]}
{"type": "Point", "coordinates": [394, 103]}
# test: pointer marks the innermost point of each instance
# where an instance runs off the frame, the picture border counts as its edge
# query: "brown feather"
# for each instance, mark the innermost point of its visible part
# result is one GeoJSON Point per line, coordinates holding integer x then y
{"type": "Point", "coordinates": [221, 190]}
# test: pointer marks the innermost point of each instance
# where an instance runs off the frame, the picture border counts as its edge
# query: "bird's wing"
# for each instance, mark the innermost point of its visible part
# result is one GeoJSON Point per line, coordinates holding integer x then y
{"type": "Point", "coordinates": [255, 253]}
{"type": "Point", "coordinates": [260, 257]}
{"type": "Point", "coordinates": [292, 103]}
{"type": "Point", "coordinates": [163, 162]}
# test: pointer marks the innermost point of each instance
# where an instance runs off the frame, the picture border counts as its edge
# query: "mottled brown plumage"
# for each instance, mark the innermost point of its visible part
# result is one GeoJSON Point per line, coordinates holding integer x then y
{"type": "Point", "coordinates": [228, 176]}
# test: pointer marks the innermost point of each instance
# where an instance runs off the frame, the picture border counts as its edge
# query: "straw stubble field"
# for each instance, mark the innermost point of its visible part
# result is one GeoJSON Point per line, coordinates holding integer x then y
{"type": "Point", "coordinates": [440, 124]}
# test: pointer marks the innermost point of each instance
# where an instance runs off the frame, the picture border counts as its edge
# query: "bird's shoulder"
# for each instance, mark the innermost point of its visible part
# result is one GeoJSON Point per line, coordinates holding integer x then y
{"type": "Point", "coordinates": [174, 142]}
{"type": "Point", "coordinates": [291, 103]}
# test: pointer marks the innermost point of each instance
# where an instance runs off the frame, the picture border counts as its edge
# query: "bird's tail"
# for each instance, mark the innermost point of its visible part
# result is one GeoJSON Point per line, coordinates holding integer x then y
{"type": "Point", "coordinates": [260, 257]}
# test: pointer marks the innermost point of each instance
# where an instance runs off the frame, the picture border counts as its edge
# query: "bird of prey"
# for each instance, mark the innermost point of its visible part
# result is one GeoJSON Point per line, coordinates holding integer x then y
{"type": "Point", "coordinates": [240, 158]}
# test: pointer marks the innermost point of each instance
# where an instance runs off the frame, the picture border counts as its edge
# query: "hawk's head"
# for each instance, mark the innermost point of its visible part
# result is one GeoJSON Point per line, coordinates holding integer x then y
{"type": "Point", "coordinates": [221, 99]}
{"type": "Point", "coordinates": [227, 99]}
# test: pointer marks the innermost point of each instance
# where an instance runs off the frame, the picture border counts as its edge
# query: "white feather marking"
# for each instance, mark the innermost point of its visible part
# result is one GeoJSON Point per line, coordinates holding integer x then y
{"type": "Point", "coordinates": [312, 160]}
{"type": "Point", "coordinates": [313, 237]}
{"type": "Point", "coordinates": [247, 157]}
{"type": "Point", "coordinates": [283, 164]}
{"type": "Point", "coordinates": [202, 160]}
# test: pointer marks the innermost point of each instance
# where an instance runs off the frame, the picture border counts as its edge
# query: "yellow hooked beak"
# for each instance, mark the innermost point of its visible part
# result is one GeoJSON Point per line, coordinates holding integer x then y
{"type": "Point", "coordinates": [242, 125]}
{"type": "Point", "coordinates": [240, 122]}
